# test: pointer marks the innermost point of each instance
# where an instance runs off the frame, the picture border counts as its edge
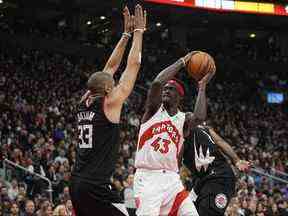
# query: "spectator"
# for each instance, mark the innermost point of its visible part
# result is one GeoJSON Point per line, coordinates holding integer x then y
{"type": "Point", "coordinates": [129, 198]}
{"type": "Point", "coordinates": [60, 210]}
{"type": "Point", "coordinates": [61, 158]}
{"type": "Point", "coordinates": [14, 209]}
{"type": "Point", "coordinates": [69, 207]}
{"type": "Point", "coordinates": [13, 191]}
{"type": "Point", "coordinates": [29, 209]}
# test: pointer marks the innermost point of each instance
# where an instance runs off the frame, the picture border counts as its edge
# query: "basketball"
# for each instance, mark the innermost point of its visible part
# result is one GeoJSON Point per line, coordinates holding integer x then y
{"type": "Point", "coordinates": [200, 64]}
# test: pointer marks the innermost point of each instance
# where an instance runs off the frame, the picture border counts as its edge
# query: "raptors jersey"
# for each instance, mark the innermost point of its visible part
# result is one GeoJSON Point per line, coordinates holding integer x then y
{"type": "Point", "coordinates": [160, 141]}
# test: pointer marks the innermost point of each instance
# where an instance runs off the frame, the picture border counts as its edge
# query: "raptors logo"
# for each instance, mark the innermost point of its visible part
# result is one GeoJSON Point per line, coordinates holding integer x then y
{"type": "Point", "coordinates": [158, 128]}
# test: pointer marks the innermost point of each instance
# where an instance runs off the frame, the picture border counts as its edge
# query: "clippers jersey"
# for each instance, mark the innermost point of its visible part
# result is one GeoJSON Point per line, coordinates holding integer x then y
{"type": "Point", "coordinates": [160, 141]}
{"type": "Point", "coordinates": [202, 155]}
{"type": "Point", "coordinates": [98, 145]}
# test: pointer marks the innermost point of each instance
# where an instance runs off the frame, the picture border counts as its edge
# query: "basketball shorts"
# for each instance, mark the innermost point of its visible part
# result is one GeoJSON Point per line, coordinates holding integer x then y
{"type": "Point", "coordinates": [89, 199]}
{"type": "Point", "coordinates": [161, 192]}
{"type": "Point", "coordinates": [213, 196]}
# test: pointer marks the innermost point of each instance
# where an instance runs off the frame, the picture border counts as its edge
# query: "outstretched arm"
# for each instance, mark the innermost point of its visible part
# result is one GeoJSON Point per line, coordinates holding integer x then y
{"type": "Point", "coordinates": [200, 109]}
{"type": "Point", "coordinates": [115, 59]}
{"type": "Point", "coordinates": [228, 151]}
{"type": "Point", "coordinates": [128, 78]}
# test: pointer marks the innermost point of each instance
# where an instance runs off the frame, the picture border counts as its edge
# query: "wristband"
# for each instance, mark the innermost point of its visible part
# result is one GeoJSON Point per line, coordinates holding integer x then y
{"type": "Point", "coordinates": [137, 29]}
{"type": "Point", "coordinates": [183, 62]}
{"type": "Point", "coordinates": [126, 34]}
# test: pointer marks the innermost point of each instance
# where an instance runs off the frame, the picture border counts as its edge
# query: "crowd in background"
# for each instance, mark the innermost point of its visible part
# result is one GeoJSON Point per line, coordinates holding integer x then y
{"type": "Point", "coordinates": [40, 90]}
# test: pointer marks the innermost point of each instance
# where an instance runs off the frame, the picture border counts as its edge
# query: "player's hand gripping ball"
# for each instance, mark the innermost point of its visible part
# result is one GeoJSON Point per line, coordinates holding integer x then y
{"type": "Point", "coordinates": [199, 64]}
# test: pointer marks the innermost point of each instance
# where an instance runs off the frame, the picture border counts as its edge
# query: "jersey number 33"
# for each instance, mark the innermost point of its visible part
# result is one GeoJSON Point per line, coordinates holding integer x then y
{"type": "Point", "coordinates": [85, 136]}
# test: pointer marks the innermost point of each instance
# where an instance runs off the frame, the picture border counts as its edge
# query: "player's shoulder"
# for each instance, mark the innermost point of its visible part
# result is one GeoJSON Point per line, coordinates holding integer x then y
{"type": "Point", "coordinates": [188, 114]}
{"type": "Point", "coordinates": [200, 129]}
{"type": "Point", "coordinates": [189, 117]}
{"type": "Point", "coordinates": [81, 106]}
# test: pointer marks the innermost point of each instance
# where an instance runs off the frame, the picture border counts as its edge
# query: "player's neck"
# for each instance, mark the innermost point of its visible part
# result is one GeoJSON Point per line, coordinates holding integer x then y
{"type": "Point", "coordinates": [171, 110]}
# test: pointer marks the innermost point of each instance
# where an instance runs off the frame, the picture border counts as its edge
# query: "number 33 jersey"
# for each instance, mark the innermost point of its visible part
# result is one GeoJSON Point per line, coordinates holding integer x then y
{"type": "Point", "coordinates": [160, 141]}
{"type": "Point", "coordinates": [98, 144]}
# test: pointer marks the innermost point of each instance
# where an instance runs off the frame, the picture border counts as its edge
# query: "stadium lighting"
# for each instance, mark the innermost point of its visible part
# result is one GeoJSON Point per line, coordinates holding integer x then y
{"type": "Point", "coordinates": [1, 1]}
{"type": "Point", "coordinates": [88, 22]}
{"type": "Point", "coordinates": [102, 17]}
{"type": "Point", "coordinates": [252, 35]}
{"type": "Point", "coordinates": [158, 24]}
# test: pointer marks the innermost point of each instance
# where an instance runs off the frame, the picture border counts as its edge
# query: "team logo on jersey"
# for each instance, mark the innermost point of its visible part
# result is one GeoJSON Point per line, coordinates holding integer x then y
{"type": "Point", "coordinates": [158, 128]}
{"type": "Point", "coordinates": [202, 160]}
{"type": "Point", "coordinates": [221, 200]}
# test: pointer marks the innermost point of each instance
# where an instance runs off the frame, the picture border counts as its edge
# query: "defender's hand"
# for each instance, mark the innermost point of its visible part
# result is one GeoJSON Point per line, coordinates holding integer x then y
{"type": "Point", "coordinates": [140, 18]}
{"type": "Point", "coordinates": [128, 21]}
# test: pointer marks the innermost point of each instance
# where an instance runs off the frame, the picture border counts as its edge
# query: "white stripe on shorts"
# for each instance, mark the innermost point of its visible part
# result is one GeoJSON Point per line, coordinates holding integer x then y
{"type": "Point", "coordinates": [121, 208]}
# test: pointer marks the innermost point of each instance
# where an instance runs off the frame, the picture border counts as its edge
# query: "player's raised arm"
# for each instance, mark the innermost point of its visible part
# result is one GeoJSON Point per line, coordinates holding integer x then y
{"type": "Point", "coordinates": [153, 98]}
{"type": "Point", "coordinates": [115, 59]}
{"type": "Point", "coordinates": [200, 109]}
{"type": "Point", "coordinates": [228, 151]}
{"type": "Point", "coordinates": [128, 78]}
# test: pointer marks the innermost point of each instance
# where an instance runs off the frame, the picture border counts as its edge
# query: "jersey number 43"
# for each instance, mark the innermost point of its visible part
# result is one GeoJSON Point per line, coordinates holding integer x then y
{"type": "Point", "coordinates": [161, 145]}
{"type": "Point", "coordinates": [85, 136]}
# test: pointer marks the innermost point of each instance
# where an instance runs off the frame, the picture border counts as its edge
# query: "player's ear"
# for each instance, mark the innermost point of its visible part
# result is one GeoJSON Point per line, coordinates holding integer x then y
{"type": "Point", "coordinates": [108, 88]}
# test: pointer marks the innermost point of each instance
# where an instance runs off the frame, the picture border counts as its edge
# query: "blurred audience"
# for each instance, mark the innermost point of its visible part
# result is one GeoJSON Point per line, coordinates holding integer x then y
{"type": "Point", "coordinates": [40, 90]}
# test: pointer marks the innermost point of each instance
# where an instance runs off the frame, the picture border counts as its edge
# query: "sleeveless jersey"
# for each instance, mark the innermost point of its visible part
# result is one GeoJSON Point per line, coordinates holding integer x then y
{"type": "Point", "coordinates": [202, 155]}
{"type": "Point", "coordinates": [160, 141]}
{"type": "Point", "coordinates": [98, 144]}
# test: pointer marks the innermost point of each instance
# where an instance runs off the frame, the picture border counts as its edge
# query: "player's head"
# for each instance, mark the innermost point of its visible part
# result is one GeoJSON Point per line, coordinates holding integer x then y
{"type": "Point", "coordinates": [100, 83]}
{"type": "Point", "coordinates": [173, 92]}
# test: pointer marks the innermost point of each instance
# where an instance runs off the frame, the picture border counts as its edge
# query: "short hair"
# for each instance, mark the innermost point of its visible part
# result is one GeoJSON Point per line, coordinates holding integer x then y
{"type": "Point", "coordinates": [96, 80]}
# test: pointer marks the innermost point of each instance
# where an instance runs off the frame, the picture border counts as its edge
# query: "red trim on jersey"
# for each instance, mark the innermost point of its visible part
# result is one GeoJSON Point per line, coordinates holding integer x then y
{"type": "Point", "coordinates": [158, 128]}
{"type": "Point", "coordinates": [180, 197]}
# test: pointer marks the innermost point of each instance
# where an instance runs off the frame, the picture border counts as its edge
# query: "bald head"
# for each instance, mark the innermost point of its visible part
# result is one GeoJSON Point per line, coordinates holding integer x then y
{"type": "Point", "coordinates": [100, 83]}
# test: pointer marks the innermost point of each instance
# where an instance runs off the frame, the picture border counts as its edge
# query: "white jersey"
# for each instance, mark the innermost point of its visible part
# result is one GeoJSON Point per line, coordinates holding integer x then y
{"type": "Point", "coordinates": [160, 141]}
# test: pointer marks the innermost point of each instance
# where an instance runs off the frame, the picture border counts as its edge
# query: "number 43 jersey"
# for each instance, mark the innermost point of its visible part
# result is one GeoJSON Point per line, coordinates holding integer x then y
{"type": "Point", "coordinates": [98, 144]}
{"type": "Point", "coordinates": [160, 141]}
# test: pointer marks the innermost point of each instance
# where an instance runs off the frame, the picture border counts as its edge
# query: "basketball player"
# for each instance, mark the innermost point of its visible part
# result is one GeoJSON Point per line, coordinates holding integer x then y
{"type": "Point", "coordinates": [98, 117]}
{"type": "Point", "coordinates": [157, 185]}
{"type": "Point", "coordinates": [213, 177]}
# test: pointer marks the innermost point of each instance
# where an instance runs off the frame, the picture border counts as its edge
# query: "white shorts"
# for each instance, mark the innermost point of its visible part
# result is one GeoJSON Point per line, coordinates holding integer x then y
{"type": "Point", "coordinates": [161, 192]}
